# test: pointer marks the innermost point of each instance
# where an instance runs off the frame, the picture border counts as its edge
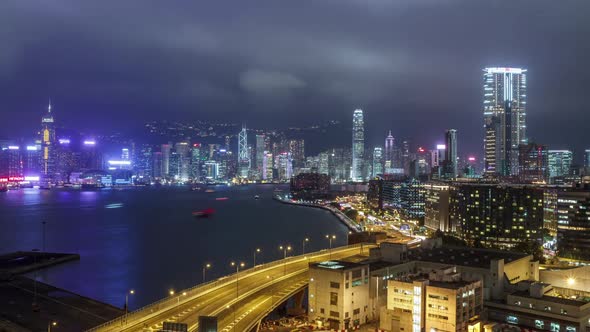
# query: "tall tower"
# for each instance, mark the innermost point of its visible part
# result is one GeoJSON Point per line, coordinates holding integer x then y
{"type": "Point", "coordinates": [504, 110]}
{"type": "Point", "coordinates": [377, 161]}
{"type": "Point", "coordinates": [243, 153]}
{"type": "Point", "coordinates": [358, 145]}
{"type": "Point", "coordinates": [260, 151]}
{"type": "Point", "coordinates": [47, 144]}
{"type": "Point", "coordinates": [389, 151]}
{"type": "Point", "coordinates": [451, 153]}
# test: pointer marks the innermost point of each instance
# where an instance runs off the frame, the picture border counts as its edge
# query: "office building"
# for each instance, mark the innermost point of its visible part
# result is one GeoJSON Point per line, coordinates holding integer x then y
{"type": "Point", "coordinates": [243, 154]}
{"type": "Point", "coordinates": [560, 162]}
{"type": "Point", "coordinates": [504, 109]}
{"type": "Point", "coordinates": [339, 164]}
{"type": "Point", "coordinates": [377, 168]}
{"type": "Point", "coordinates": [182, 149]}
{"type": "Point", "coordinates": [573, 223]}
{"type": "Point", "coordinates": [196, 160]}
{"type": "Point", "coordinates": [450, 162]}
{"type": "Point", "coordinates": [260, 150]}
{"type": "Point", "coordinates": [48, 143]}
{"type": "Point", "coordinates": [338, 294]}
{"type": "Point", "coordinates": [358, 146]}
{"type": "Point", "coordinates": [297, 149]}
{"type": "Point", "coordinates": [436, 207]}
{"type": "Point", "coordinates": [533, 164]}
{"type": "Point", "coordinates": [166, 150]}
{"type": "Point", "coordinates": [324, 163]}
{"type": "Point", "coordinates": [412, 200]}
{"type": "Point", "coordinates": [284, 166]}
{"type": "Point", "coordinates": [497, 215]}
{"type": "Point", "coordinates": [157, 165]}
{"type": "Point", "coordinates": [267, 166]}
{"type": "Point", "coordinates": [433, 300]}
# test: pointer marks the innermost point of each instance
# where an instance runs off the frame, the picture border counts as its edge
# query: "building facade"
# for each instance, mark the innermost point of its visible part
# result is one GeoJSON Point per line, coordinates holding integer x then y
{"type": "Point", "coordinates": [358, 146]}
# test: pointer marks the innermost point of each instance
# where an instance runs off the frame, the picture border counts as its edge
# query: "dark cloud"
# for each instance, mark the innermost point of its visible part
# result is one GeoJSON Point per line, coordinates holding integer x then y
{"type": "Point", "coordinates": [413, 65]}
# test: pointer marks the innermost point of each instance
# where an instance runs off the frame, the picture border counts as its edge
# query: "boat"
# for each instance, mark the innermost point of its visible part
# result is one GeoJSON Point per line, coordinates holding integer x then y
{"type": "Point", "coordinates": [209, 191]}
{"type": "Point", "coordinates": [203, 213]}
{"type": "Point", "coordinates": [222, 198]}
{"type": "Point", "coordinates": [256, 197]}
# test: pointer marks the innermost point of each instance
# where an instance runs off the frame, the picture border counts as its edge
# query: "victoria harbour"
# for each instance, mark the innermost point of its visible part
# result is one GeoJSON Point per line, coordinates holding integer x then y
{"type": "Point", "coordinates": [146, 239]}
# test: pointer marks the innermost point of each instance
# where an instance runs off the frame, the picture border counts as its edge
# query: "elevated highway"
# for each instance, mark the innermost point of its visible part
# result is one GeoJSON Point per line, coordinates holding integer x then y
{"type": "Point", "coordinates": [239, 301]}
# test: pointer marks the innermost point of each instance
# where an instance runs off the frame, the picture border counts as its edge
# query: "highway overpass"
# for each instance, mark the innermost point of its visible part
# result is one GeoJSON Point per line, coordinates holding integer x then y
{"type": "Point", "coordinates": [240, 300]}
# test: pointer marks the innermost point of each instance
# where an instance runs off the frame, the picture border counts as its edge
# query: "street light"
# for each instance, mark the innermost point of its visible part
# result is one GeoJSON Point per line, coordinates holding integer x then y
{"type": "Point", "coordinates": [255, 252]}
{"type": "Point", "coordinates": [304, 241]}
{"type": "Point", "coordinates": [205, 267]}
{"type": "Point", "coordinates": [237, 285]}
{"type": "Point", "coordinates": [50, 325]}
{"type": "Point", "coordinates": [285, 249]}
{"type": "Point", "coordinates": [330, 238]}
{"type": "Point", "coordinates": [171, 292]}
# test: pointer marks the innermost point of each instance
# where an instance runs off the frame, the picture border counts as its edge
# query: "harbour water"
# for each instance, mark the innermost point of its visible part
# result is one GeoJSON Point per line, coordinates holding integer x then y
{"type": "Point", "coordinates": [146, 239]}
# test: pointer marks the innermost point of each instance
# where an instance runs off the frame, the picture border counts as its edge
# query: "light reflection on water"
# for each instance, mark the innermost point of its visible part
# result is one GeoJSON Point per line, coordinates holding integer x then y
{"type": "Point", "coordinates": [150, 242]}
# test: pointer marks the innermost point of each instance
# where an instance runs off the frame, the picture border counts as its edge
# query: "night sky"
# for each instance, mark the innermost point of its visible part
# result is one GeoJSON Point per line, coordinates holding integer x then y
{"type": "Point", "coordinates": [414, 66]}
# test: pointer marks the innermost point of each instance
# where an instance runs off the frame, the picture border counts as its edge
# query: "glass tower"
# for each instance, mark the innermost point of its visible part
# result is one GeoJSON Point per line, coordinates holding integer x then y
{"type": "Point", "coordinates": [504, 110]}
{"type": "Point", "coordinates": [358, 145]}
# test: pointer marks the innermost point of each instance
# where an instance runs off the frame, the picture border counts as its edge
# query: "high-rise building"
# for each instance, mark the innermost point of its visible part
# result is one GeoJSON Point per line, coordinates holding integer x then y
{"type": "Point", "coordinates": [560, 162]}
{"type": "Point", "coordinates": [504, 109]}
{"type": "Point", "coordinates": [157, 166]}
{"type": "Point", "coordinates": [533, 163]}
{"type": "Point", "coordinates": [196, 161]}
{"type": "Point", "coordinates": [587, 162]}
{"type": "Point", "coordinates": [32, 160]}
{"type": "Point", "coordinates": [573, 223]}
{"type": "Point", "coordinates": [358, 146]}
{"type": "Point", "coordinates": [243, 154]}
{"type": "Point", "coordinates": [165, 149]}
{"type": "Point", "coordinates": [144, 163]}
{"type": "Point", "coordinates": [377, 161]}
{"type": "Point", "coordinates": [339, 164]}
{"type": "Point", "coordinates": [260, 149]}
{"type": "Point", "coordinates": [267, 166]}
{"type": "Point", "coordinates": [450, 162]}
{"type": "Point", "coordinates": [497, 215]}
{"type": "Point", "coordinates": [388, 161]}
{"type": "Point", "coordinates": [412, 200]}
{"type": "Point", "coordinates": [183, 151]}
{"type": "Point", "coordinates": [324, 163]}
{"type": "Point", "coordinates": [436, 207]}
{"type": "Point", "coordinates": [284, 165]}
{"type": "Point", "coordinates": [297, 150]}
{"type": "Point", "coordinates": [48, 144]}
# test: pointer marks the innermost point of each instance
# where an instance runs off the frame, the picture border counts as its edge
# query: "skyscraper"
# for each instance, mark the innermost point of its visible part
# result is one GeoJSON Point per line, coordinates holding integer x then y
{"type": "Point", "coordinates": [260, 150]}
{"type": "Point", "coordinates": [587, 162]}
{"type": "Point", "coordinates": [560, 162]}
{"type": "Point", "coordinates": [243, 154]}
{"type": "Point", "coordinates": [504, 110]}
{"type": "Point", "coordinates": [377, 161]}
{"type": "Point", "coordinates": [533, 163]}
{"type": "Point", "coordinates": [47, 144]}
{"type": "Point", "coordinates": [166, 159]}
{"type": "Point", "coordinates": [450, 161]}
{"type": "Point", "coordinates": [358, 145]}
{"type": "Point", "coordinates": [389, 150]}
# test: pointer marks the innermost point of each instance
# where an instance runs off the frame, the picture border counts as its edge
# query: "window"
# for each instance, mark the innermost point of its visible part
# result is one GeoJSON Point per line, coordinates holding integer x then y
{"type": "Point", "coordinates": [357, 282]}
{"type": "Point", "coordinates": [438, 297]}
{"type": "Point", "coordinates": [356, 311]}
{"type": "Point", "coordinates": [548, 308]}
{"type": "Point", "coordinates": [570, 329]}
{"type": "Point", "coordinates": [333, 298]}
{"type": "Point", "coordinates": [334, 284]}
{"type": "Point", "coordinates": [346, 314]}
{"type": "Point", "coordinates": [554, 327]}
{"type": "Point", "coordinates": [539, 324]}
{"type": "Point", "coordinates": [564, 312]}
{"type": "Point", "coordinates": [334, 314]}
{"type": "Point", "coordinates": [512, 319]}
{"type": "Point", "coordinates": [321, 310]}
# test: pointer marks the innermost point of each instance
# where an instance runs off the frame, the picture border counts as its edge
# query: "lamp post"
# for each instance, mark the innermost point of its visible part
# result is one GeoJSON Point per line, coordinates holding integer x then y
{"type": "Point", "coordinates": [127, 303]}
{"type": "Point", "coordinates": [285, 249]}
{"type": "Point", "coordinates": [330, 238]}
{"type": "Point", "coordinates": [255, 252]}
{"type": "Point", "coordinates": [50, 325]}
{"type": "Point", "coordinates": [304, 241]}
{"type": "Point", "coordinates": [205, 267]}
{"type": "Point", "coordinates": [237, 285]}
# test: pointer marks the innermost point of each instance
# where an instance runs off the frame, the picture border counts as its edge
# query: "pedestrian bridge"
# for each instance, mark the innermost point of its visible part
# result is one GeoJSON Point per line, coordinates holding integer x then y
{"type": "Point", "coordinates": [239, 301]}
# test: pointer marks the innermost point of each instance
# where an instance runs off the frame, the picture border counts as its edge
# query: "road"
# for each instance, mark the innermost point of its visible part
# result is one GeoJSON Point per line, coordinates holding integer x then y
{"type": "Point", "coordinates": [239, 301]}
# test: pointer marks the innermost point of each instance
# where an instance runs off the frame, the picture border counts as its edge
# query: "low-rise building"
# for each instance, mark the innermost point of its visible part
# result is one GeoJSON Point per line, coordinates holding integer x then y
{"type": "Point", "coordinates": [339, 294]}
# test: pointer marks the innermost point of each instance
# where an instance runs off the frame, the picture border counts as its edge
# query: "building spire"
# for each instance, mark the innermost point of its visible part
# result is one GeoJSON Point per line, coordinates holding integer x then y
{"type": "Point", "coordinates": [49, 107]}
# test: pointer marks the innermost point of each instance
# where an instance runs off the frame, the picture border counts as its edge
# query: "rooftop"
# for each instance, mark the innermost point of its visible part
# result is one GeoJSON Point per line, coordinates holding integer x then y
{"type": "Point", "coordinates": [336, 265]}
{"type": "Point", "coordinates": [462, 256]}
{"type": "Point", "coordinates": [552, 299]}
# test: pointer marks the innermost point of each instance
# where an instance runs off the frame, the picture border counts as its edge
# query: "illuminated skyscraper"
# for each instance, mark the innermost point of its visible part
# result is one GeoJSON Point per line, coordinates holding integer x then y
{"type": "Point", "coordinates": [260, 150]}
{"type": "Point", "coordinates": [47, 144]}
{"type": "Point", "coordinates": [504, 109]}
{"type": "Point", "coordinates": [166, 148]}
{"type": "Point", "coordinates": [389, 150]}
{"type": "Point", "coordinates": [560, 162]}
{"type": "Point", "coordinates": [450, 161]}
{"type": "Point", "coordinates": [377, 161]}
{"type": "Point", "coordinates": [243, 154]}
{"type": "Point", "coordinates": [587, 162]}
{"type": "Point", "coordinates": [358, 146]}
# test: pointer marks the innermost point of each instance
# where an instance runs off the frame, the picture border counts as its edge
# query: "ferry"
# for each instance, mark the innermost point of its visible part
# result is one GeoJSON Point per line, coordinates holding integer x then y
{"type": "Point", "coordinates": [256, 197]}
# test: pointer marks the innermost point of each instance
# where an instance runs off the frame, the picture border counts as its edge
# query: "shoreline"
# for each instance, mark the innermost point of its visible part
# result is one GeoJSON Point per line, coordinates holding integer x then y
{"type": "Point", "coordinates": [335, 212]}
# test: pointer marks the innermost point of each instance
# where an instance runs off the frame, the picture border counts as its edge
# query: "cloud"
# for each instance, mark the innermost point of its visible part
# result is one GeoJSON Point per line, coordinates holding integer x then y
{"type": "Point", "coordinates": [263, 82]}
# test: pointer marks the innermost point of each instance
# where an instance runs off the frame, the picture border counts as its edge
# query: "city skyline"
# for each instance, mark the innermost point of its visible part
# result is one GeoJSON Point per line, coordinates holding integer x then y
{"type": "Point", "coordinates": [386, 74]}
